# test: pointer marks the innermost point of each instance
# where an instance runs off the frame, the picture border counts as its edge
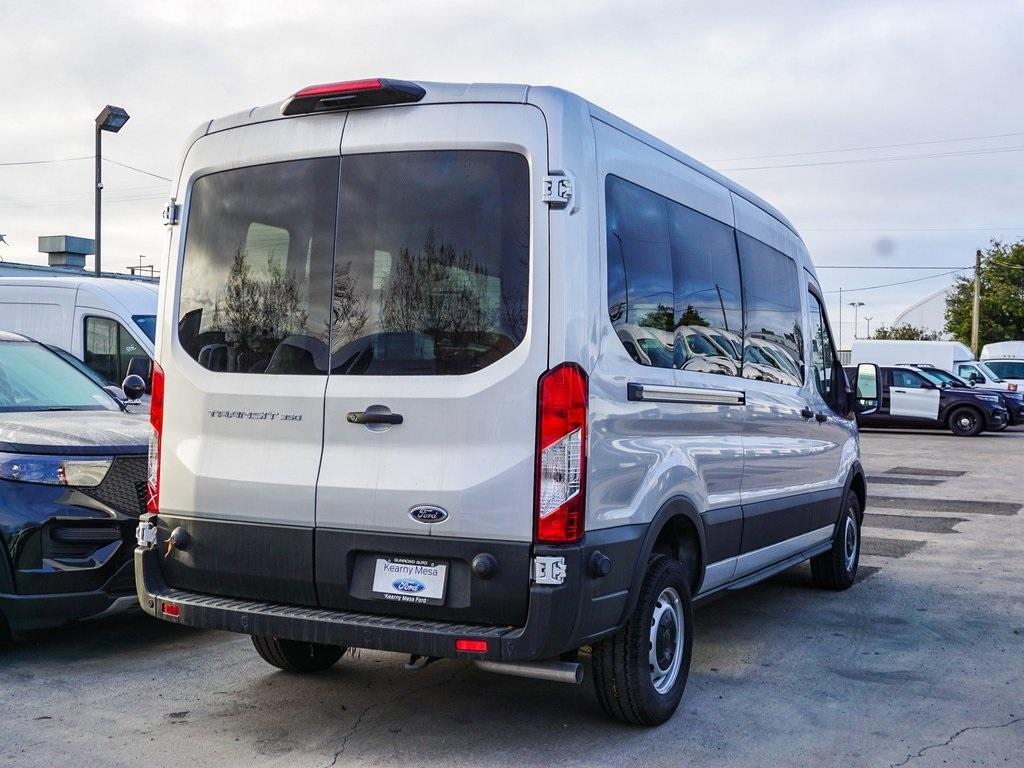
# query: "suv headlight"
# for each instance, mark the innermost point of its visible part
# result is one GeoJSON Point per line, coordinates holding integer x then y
{"type": "Point", "coordinates": [988, 398]}
{"type": "Point", "coordinates": [54, 470]}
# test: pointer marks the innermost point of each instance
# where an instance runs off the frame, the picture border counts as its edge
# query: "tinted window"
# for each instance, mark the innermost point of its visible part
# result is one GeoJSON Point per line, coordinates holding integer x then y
{"type": "Point", "coordinates": [1008, 369]}
{"type": "Point", "coordinates": [256, 281]}
{"type": "Point", "coordinates": [708, 305]}
{"type": "Point", "coordinates": [109, 349]}
{"type": "Point", "coordinates": [34, 379]}
{"type": "Point", "coordinates": [908, 379]}
{"type": "Point", "coordinates": [773, 344]}
{"type": "Point", "coordinates": [147, 324]}
{"type": "Point", "coordinates": [823, 353]}
{"type": "Point", "coordinates": [641, 302]}
{"type": "Point", "coordinates": [432, 265]}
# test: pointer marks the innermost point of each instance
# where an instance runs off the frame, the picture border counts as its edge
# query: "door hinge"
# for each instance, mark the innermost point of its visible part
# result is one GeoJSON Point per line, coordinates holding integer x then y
{"type": "Point", "coordinates": [559, 189]}
{"type": "Point", "coordinates": [549, 570]}
{"type": "Point", "coordinates": [172, 213]}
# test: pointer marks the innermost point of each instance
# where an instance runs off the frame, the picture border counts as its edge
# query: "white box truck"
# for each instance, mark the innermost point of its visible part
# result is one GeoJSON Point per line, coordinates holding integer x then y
{"type": "Point", "coordinates": [949, 356]}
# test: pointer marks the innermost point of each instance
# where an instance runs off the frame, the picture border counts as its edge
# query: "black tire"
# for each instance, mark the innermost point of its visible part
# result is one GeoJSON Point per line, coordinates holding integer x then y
{"type": "Point", "coordinates": [837, 568]}
{"type": "Point", "coordinates": [624, 676]}
{"type": "Point", "coordinates": [295, 656]}
{"type": "Point", "coordinates": [966, 422]}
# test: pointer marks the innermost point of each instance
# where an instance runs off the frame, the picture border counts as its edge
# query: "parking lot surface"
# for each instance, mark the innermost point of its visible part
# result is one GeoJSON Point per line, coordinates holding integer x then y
{"type": "Point", "coordinates": [921, 663]}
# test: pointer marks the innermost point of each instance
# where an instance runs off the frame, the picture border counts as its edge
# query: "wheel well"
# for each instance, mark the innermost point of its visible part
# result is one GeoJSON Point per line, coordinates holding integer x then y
{"type": "Point", "coordinates": [678, 538]}
{"type": "Point", "coordinates": [859, 487]}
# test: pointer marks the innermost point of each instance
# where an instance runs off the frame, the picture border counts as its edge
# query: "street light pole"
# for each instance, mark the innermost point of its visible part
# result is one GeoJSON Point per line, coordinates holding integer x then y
{"type": "Point", "coordinates": [856, 306]}
{"type": "Point", "coordinates": [868, 319]}
{"type": "Point", "coordinates": [110, 119]}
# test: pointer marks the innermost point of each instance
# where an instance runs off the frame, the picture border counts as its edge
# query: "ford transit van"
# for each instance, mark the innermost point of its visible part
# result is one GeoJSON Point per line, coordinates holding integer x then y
{"type": "Point", "coordinates": [439, 373]}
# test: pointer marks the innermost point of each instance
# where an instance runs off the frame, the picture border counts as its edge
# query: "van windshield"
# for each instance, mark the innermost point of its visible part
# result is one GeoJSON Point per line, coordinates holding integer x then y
{"type": "Point", "coordinates": [1007, 369]}
{"type": "Point", "coordinates": [147, 324]}
{"type": "Point", "coordinates": [420, 266]}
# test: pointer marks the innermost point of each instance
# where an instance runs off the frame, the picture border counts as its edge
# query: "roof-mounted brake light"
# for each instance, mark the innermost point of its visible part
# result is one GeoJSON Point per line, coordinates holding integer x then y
{"type": "Point", "coordinates": [352, 94]}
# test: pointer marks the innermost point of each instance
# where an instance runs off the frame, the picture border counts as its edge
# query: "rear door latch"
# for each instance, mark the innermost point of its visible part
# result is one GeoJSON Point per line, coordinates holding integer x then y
{"type": "Point", "coordinates": [558, 190]}
{"type": "Point", "coordinates": [549, 570]}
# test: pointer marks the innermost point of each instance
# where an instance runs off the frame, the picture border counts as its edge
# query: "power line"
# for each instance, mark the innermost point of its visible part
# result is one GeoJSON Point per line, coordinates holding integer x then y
{"type": "Point", "coordinates": [901, 282]}
{"type": "Point", "coordinates": [859, 160]}
{"type": "Point", "coordinates": [46, 162]}
{"type": "Point", "coordinates": [864, 149]}
{"type": "Point", "coordinates": [912, 229]}
{"type": "Point", "coordinates": [138, 170]}
{"type": "Point", "coordinates": [867, 266]}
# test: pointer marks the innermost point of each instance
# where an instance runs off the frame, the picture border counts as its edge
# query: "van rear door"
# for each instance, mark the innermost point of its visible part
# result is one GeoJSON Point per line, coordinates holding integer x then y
{"type": "Point", "coordinates": [244, 350]}
{"type": "Point", "coordinates": [439, 336]}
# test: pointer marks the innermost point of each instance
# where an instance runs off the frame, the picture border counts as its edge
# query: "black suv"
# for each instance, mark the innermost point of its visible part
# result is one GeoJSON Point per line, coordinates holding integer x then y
{"type": "Point", "coordinates": [905, 396]}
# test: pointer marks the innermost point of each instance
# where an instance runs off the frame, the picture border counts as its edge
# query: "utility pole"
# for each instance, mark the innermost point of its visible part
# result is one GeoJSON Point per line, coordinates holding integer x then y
{"type": "Point", "coordinates": [976, 310]}
{"type": "Point", "coordinates": [840, 317]}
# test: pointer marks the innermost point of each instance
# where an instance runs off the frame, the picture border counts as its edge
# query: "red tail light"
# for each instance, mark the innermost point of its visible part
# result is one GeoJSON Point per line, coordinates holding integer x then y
{"type": "Point", "coordinates": [156, 420]}
{"type": "Point", "coordinates": [170, 609]}
{"type": "Point", "coordinates": [471, 646]}
{"type": "Point", "coordinates": [561, 470]}
{"type": "Point", "coordinates": [375, 92]}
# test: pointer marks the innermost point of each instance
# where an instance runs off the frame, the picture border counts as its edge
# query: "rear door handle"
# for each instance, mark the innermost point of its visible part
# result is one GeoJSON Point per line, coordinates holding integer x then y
{"type": "Point", "coordinates": [821, 418]}
{"type": "Point", "coordinates": [807, 413]}
{"type": "Point", "coordinates": [369, 417]}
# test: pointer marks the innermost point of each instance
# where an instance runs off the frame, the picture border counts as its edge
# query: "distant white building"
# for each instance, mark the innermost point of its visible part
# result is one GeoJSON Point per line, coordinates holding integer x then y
{"type": "Point", "coordinates": [928, 313]}
{"type": "Point", "coordinates": [65, 257]}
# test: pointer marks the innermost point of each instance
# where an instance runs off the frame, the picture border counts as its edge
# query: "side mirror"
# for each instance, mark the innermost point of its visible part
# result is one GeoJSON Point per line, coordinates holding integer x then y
{"type": "Point", "coordinates": [867, 389]}
{"type": "Point", "coordinates": [927, 385]}
{"type": "Point", "coordinates": [134, 387]}
{"type": "Point", "coordinates": [141, 367]}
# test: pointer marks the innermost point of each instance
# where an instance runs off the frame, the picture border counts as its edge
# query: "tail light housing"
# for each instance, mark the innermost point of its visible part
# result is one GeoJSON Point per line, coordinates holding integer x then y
{"type": "Point", "coordinates": [156, 421]}
{"type": "Point", "coordinates": [561, 471]}
{"type": "Point", "coordinates": [352, 94]}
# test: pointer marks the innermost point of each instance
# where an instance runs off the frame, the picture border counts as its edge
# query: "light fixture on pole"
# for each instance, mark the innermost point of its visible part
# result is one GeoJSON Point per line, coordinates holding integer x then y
{"type": "Point", "coordinates": [856, 306]}
{"type": "Point", "coordinates": [111, 119]}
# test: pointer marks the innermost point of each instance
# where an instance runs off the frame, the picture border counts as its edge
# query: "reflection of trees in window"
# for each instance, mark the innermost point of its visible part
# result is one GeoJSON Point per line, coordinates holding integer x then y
{"type": "Point", "coordinates": [348, 307]}
{"type": "Point", "coordinates": [660, 318]}
{"type": "Point", "coordinates": [256, 313]}
{"type": "Point", "coordinates": [691, 316]}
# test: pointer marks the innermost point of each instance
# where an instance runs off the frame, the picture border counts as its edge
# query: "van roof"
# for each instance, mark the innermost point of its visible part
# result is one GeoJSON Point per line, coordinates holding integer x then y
{"type": "Point", "coordinates": [136, 296]}
{"type": "Point", "coordinates": [447, 93]}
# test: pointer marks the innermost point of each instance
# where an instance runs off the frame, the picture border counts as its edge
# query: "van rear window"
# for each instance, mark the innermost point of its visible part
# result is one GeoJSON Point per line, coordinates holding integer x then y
{"type": "Point", "coordinates": [422, 268]}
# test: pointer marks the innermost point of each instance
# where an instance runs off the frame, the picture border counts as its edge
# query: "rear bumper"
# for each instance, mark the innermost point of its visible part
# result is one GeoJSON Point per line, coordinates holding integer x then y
{"type": "Point", "coordinates": [559, 618]}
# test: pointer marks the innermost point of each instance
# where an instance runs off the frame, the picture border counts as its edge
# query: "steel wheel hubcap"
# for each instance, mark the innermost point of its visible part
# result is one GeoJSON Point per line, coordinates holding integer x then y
{"type": "Point", "coordinates": [850, 543]}
{"type": "Point", "coordinates": [666, 640]}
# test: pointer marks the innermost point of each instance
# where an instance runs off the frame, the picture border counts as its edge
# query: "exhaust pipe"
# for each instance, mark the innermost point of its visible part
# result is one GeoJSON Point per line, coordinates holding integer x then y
{"type": "Point", "coordinates": [555, 671]}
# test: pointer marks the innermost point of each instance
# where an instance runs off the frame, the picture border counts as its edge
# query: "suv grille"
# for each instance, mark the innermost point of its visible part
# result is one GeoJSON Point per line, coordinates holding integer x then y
{"type": "Point", "coordinates": [124, 487]}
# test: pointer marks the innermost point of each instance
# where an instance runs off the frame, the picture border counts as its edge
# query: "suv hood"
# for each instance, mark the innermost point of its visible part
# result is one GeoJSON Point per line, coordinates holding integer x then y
{"type": "Point", "coordinates": [74, 432]}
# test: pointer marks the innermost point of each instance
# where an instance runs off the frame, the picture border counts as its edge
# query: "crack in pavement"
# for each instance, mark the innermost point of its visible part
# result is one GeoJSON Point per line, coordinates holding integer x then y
{"type": "Point", "coordinates": [950, 740]}
{"type": "Point", "coordinates": [359, 719]}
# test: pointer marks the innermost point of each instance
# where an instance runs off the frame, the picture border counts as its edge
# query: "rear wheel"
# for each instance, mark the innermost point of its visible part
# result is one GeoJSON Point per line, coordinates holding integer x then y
{"type": "Point", "coordinates": [640, 673]}
{"type": "Point", "coordinates": [295, 656]}
{"type": "Point", "coordinates": [837, 568]}
{"type": "Point", "coordinates": [966, 422]}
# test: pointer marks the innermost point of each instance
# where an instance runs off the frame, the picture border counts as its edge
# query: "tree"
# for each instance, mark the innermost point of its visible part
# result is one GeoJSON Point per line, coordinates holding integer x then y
{"type": "Point", "coordinates": [1002, 297]}
{"type": "Point", "coordinates": [660, 318]}
{"type": "Point", "coordinates": [905, 332]}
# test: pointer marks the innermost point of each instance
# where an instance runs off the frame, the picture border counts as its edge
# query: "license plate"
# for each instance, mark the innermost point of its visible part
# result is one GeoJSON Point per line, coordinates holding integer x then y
{"type": "Point", "coordinates": [409, 580]}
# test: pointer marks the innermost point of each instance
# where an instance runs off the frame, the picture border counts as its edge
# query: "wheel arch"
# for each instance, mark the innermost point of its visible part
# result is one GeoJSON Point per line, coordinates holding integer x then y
{"type": "Point", "coordinates": [856, 481]}
{"type": "Point", "coordinates": [678, 525]}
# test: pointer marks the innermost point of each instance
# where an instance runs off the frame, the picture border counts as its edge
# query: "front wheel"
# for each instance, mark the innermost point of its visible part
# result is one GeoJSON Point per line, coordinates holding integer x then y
{"type": "Point", "coordinates": [837, 568]}
{"type": "Point", "coordinates": [640, 673]}
{"type": "Point", "coordinates": [966, 422]}
{"type": "Point", "coordinates": [295, 656]}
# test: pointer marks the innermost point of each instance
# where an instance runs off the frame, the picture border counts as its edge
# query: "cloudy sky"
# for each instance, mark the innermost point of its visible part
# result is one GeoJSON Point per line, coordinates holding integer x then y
{"type": "Point", "coordinates": [766, 92]}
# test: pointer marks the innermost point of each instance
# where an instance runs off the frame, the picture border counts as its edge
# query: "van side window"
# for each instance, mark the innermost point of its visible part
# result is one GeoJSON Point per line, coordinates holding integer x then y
{"type": "Point", "coordinates": [256, 278]}
{"type": "Point", "coordinates": [773, 344]}
{"type": "Point", "coordinates": [908, 379]}
{"type": "Point", "coordinates": [823, 353]}
{"type": "Point", "coordinates": [109, 349]}
{"type": "Point", "coordinates": [708, 303]}
{"type": "Point", "coordinates": [641, 302]}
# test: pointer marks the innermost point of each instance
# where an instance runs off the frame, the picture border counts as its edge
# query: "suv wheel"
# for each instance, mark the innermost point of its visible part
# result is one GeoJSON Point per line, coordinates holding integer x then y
{"type": "Point", "coordinates": [966, 422]}
{"type": "Point", "coordinates": [640, 673]}
{"type": "Point", "coordinates": [837, 568]}
{"type": "Point", "coordinates": [295, 656]}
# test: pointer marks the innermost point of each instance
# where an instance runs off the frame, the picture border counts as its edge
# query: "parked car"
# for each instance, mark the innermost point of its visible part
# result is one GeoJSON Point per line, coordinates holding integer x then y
{"type": "Point", "coordinates": [905, 396]}
{"type": "Point", "coordinates": [450, 423]}
{"type": "Point", "coordinates": [946, 355]}
{"type": "Point", "coordinates": [1013, 400]}
{"type": "Point", "coordinates": [72, 485]}
{"type": "Point", "coordinates": [107, 323]}
{"type": "Point", "coordinates": [1006, 360]}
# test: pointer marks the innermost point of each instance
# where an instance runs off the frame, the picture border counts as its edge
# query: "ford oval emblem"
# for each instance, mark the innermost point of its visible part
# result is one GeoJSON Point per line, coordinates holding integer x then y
{"type": "Point", "coordinates": [408, 585]}
{"type": "Point", "coordinates": [428, 513]}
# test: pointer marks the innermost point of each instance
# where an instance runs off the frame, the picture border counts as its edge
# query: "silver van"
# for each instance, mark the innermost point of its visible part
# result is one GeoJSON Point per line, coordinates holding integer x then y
{"type": "Point", "coordinates": [483, 372]}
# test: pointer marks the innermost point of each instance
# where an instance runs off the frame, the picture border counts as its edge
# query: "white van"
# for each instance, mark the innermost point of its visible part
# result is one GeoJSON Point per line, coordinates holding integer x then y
{"type": "Point", "coordinates": [1006, 360]}
{"type": "Point", "coordinates": [951, 356]}
{"type": "Point", "coordinates": [401, 402]}
{"type": "Point", "coordinates": [105, 322]}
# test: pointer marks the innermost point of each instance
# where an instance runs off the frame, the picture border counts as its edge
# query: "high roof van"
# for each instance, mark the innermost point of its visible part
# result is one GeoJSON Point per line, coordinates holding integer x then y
{"type": "Point", "coordinates": [484, 372]}
{"type": "Point", "coordinates": [105, 322]}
